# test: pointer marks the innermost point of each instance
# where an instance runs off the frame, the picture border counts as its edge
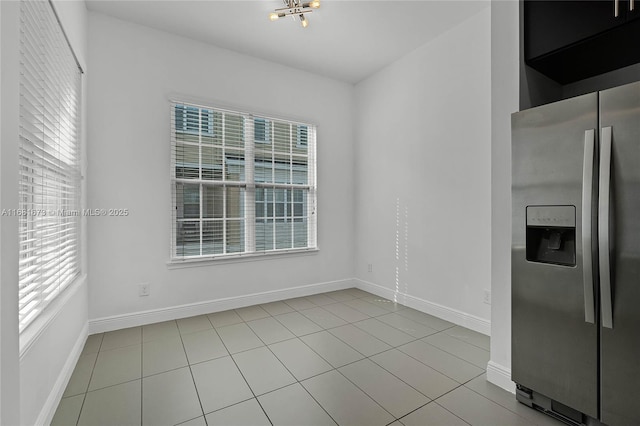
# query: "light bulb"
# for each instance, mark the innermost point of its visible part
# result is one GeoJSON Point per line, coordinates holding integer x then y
{"type": "Point", "coordinates": [304, 21]}
{"type": "Point", "coordinates": [315, 4]}
{"type": "Point", "coordinates": [273, 16]}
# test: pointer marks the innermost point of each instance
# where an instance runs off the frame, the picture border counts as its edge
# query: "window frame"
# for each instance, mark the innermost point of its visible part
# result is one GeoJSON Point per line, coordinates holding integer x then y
{"type": "Point", "coordinates": [250, 184]}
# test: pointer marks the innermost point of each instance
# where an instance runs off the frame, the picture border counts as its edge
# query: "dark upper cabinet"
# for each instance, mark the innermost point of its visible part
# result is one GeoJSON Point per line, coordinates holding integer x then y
{"type": "Point", "coordinates": [635, 13]}
{"type": "Point", "coordinates": [572, 40]}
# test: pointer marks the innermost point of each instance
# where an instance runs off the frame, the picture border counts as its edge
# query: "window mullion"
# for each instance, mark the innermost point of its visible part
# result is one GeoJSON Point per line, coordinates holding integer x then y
{"type": "Point", "coordinates": [274, 243]}
{"type": "Point", "coordinates": [224, 218]}
{"type": "Point", "coordinates": [290, 192]}
{"type": "Point", "coordinates": [224, 187]}
{"type": "Point", "coordinates": [312, 192]}
{"type": "Point", "coordinates": [250, 192]}
{"type": "Point", "coordinates": [200, 189]}
{"type": "Point", "coordinates": [201, 221]}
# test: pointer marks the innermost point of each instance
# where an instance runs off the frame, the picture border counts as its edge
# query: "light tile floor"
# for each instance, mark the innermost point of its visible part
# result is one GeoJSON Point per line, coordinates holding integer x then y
{"type": "Point", "coordinates": [345, 357]}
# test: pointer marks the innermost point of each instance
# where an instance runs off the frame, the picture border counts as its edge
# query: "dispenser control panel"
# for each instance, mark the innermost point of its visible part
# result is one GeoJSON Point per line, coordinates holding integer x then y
{"type": "Point", "coordinates": [562, 216]}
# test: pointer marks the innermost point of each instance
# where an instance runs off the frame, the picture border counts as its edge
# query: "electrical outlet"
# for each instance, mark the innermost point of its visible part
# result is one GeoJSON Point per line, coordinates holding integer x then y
{"type": "Point", "coordinates": [369, 267]}
{"type": "Point", "coordinates": [487, 297]}
{"type": "Point", "coordinates": [144, 289]}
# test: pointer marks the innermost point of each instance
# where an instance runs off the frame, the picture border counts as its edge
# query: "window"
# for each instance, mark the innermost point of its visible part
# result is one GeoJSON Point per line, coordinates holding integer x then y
{"type": "Point", "coordinates": [49, 159]}
{"type": "Point", "coordinates": [301, 136]}
{"type": "Point", "coordinates": [262, 130]}
{"type": "Point", "coordinates": [241, 184]}
{"type": "Point", "coordinates": [194, 120]}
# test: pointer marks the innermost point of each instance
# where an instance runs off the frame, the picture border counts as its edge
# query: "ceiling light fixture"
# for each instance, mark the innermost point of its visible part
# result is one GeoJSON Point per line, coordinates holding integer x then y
{"type": "Point", "coordinates": [295, 8]}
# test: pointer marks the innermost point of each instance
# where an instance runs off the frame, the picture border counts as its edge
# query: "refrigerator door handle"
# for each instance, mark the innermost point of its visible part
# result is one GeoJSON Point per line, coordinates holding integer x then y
{"type": "Point", "coordinates": [587, 200]}
{"type": "Point", "coordinates": [603, 227]}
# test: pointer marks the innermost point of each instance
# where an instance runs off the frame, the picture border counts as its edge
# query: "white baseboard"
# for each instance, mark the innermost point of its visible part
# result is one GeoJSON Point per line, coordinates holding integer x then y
{"type": "Point", "coordinates": [51, 404]}
{"type": "Point", "coordinates": [116, 322]}
{"type": "Point", "coordinates": [500, 376]}
{"type": "Point", "coordinates": [455, 316]}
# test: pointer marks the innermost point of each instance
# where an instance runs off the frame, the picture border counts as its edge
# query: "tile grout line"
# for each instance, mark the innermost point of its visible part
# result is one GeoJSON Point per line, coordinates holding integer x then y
{"type": "Point", "coordinates": [399, 378]}
{"type": "Point", "coordinates": [239, 370]}
{"type": "Point", "coordinates": [251, 389]}
{"type": "Point", "coordinates": [84, 398]}
{"type": "Point", "coordinates": [434, 402]}
{"type": "Point", "coordinates": [452, 413]}
{"type": "Point", "coordinates": [276, 357]}
{"type": "Point", "coordinates": [227, 406]}
{"type": "Point", "coordinates": [446, 393]}
{"type": "Point", "coordinates": [463, 341]}
{"type": "Point", "coordinates": [432, 367]}
{"type": "Point", "coordinates": [318, 402]}
{"type": "Point", "coordinates": [315, 322]}
{"type": "Point", "coordinates": [193, 379]}
{"type": "Point", "coordinates": [457, 339]}
{"type": "Point", "coordinates": [358, 328]}
{"type": "Point", "coordinates": [364, 392]}
{"type": "Point", "coordinates": [118, 384]}
{"type": "Point", "coordinates": [450, 353]}
{"type": "Point", "coordinates": [291, 331]}
{"type": "Point", "coordinates": [230, 356]}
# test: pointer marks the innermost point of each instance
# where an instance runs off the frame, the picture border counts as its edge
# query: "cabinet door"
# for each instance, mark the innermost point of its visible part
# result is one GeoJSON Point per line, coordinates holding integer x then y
{"type": "Point", "coordinates": [551, 25]}
{"type": "Point", "coordinates": [632, 14]}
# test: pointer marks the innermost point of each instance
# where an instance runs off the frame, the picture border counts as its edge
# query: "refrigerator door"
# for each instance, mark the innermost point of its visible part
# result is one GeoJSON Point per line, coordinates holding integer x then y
{"type": "Point", "coordinates": [554, 327]}
{"type": "Point", "coordinates": [620, 345]}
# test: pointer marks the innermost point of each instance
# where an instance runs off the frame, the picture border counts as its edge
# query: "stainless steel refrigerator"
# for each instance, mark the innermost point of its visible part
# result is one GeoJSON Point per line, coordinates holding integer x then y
{"type": "Point", "coordinates": [576, 257]}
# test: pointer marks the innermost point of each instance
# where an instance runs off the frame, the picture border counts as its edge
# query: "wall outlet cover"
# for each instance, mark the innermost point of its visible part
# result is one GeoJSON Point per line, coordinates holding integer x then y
{"type": "Point", "coordinates": [144, 289]}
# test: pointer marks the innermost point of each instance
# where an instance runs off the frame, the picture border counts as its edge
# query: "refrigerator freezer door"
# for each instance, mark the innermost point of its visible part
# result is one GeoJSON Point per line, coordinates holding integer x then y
{"type": "Point", "coordinates": [554, 349]}
{"type": "Point", "coordinates": [620, 348]}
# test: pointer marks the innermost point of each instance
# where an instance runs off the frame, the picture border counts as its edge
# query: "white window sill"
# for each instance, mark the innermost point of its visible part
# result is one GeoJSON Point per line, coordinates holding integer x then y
{"type": "Point", "coordinates": [238, 258]}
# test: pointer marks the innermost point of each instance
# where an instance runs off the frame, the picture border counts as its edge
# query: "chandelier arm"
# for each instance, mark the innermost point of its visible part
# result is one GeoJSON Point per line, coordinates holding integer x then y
{"type": "Point", "coordinates": [295, 8]}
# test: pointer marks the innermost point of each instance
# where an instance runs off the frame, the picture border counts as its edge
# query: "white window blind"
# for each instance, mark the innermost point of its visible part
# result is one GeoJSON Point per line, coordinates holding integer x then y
{"type": "Point", "coordinates": [49, 158]}
{"type": "Point", "coordinates": [241, 183]}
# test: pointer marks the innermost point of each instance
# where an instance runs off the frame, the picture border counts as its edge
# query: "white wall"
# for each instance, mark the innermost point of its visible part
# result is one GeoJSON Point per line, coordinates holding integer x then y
{"type": "Point", "coordinates": [135, 69]}
{"type": "Point", "coordinates": [423, 210]}
{"type": "Point", "coordinates": [47, 364]}
{"type": "Point", "coordinates": [504, 101]}
{"type": "Point", "coordinates": [9, 88]}
{"type": "Point", "coordinates": [36, 365]}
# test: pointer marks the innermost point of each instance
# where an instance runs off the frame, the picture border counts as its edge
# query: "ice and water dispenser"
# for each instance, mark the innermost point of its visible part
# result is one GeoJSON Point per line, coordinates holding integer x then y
{"type": "Point", "coordinates": [551, 234]}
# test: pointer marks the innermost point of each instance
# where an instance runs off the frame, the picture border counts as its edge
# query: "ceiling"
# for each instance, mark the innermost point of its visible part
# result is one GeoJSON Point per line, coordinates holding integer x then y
{"type": "Point", "coordinates": [346, 40]}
